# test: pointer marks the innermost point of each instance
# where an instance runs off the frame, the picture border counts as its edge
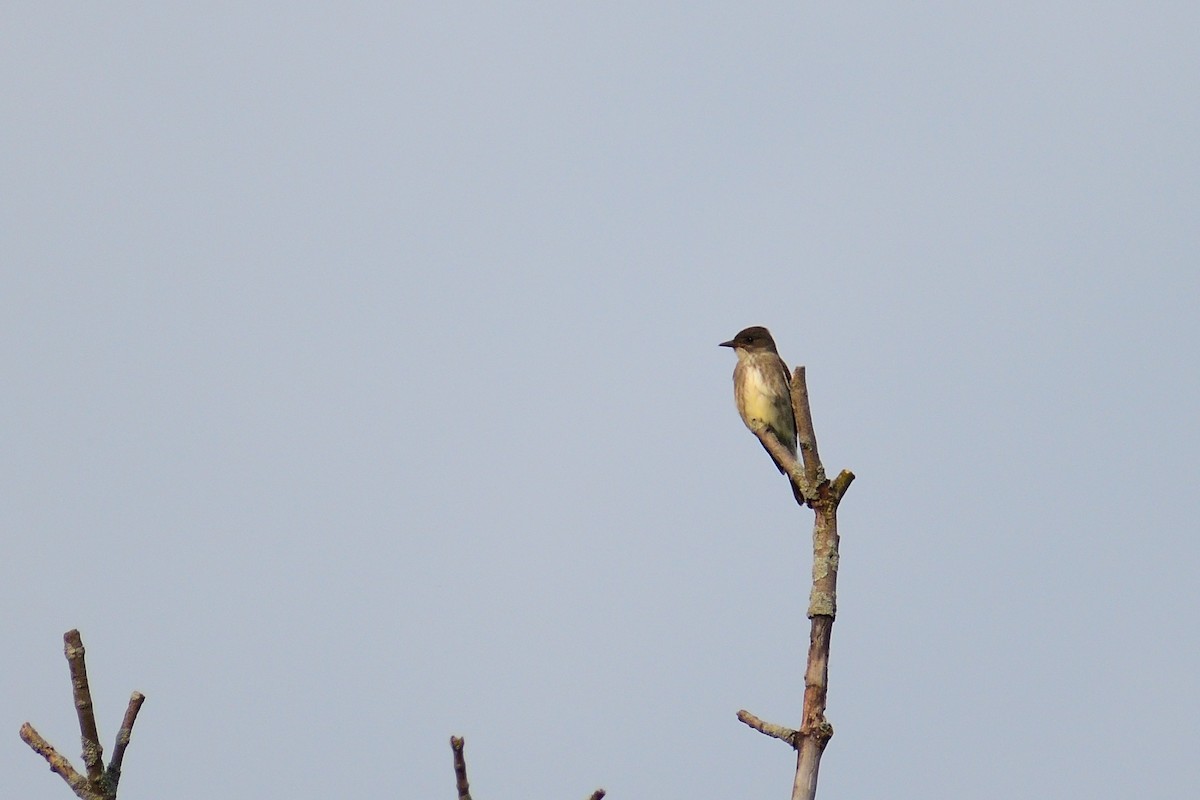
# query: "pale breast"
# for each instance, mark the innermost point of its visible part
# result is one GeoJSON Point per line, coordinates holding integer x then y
{"type": "Point", "coordinates": [757, 400]}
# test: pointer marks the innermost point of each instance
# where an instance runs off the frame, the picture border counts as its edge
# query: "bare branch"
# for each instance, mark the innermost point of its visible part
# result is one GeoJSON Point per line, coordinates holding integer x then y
{"type": "Point", "coordinates": [99, 783]}
{"type": "Point", "coordinates": [841, 483]}
{"type": "Point", "coordinates": [92, 751]}
{"type": "Point", "coordinates": [806, 437]}
{"type": "Point", "coordinates": [770, 729]}
{"type": "Point", "coordinates": [123, 734]}
{"type": "Point", "coordinates": [460, 768]}
{"type": "Point", "coordinates": [58, 762]}
{"type": "Point", "coordinates": [823, 496]}
{"type": "Point", "coordinates": [597, 795]}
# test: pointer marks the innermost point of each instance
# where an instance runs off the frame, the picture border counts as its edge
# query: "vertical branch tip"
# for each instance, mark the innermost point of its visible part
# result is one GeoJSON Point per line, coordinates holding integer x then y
{"type": "Point", "coordinates": [460, 768]}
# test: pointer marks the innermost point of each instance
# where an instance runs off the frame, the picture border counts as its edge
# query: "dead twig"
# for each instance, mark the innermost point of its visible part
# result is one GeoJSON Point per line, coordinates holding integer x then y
{"type": "Point", "coordinates": [99, 783]}
{"type": "Point", "coordinates": [460, 768]}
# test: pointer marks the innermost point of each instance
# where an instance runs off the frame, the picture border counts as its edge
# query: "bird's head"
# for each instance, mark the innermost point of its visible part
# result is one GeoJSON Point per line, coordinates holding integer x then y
{"type": "Point", "coordinates": [755, 339]}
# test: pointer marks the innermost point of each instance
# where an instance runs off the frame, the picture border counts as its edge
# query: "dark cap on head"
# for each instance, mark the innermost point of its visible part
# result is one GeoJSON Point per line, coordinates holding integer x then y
{"type": "Point", "coordinates": [755, 337]}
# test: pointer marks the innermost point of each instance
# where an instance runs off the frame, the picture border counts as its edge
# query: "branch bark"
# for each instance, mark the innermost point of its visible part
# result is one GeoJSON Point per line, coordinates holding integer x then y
{"type": "Point", "coordinates": [82, 692]}
{"type": "Point", "coordinates": [99, 783]}
{"type": "Point", "coordinates": [823, 496]}
{"type": "Point", "coordinates": [123, 733]}
{"type": "Point", "coordinates": [59, 763]}
{"type": "Point", "coordinates": [460, 768]}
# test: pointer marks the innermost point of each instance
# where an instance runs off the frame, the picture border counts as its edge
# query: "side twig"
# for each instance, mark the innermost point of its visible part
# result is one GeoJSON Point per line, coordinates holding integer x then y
{"type": "Point", "coordinates": [823, 496]}
{"type": "Point", "coordinates": [99, 783]}
{"type": "Point", "coordinates": [123, 734]}
{"type": "Point", "coordinates": [59, 763]}
{"type": "Point", "coordinates": [769, 728]}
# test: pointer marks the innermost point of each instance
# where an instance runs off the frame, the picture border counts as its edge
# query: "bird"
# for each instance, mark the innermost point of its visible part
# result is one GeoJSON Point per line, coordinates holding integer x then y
{"type": "Point", "coordinates": [762, 391]}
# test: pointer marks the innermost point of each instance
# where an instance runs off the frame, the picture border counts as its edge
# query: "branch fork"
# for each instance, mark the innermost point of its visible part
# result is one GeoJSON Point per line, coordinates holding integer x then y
{"type": "Point", "coordinates": [99, 782]}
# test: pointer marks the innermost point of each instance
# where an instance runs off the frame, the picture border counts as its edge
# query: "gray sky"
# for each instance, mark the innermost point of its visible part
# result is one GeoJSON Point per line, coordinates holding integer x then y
{"type": "Point", "coordinates": [362, 388]}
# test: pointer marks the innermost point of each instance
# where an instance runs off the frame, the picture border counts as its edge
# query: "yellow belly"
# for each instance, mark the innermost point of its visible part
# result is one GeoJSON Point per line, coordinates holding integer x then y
{"type": "Point", "coordinates": [756, 399]}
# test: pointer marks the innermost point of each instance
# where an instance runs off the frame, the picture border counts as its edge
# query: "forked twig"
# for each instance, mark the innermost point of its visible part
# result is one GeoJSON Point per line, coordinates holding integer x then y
{"type": "Point", "coordinates": [99, 783]}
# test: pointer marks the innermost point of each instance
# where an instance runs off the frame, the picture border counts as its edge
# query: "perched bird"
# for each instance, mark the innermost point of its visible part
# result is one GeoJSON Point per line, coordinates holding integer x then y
{"type": "Point", "coordinates": [763, 390]}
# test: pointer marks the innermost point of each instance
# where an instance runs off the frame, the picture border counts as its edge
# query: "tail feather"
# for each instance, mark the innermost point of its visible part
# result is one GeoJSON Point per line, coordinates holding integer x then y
{"type": "Point", "coordinates": [796, 493]}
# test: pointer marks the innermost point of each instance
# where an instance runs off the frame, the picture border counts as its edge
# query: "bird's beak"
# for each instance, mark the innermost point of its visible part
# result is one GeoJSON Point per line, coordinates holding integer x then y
{"type": "Point", "coordinates": [726, 344]}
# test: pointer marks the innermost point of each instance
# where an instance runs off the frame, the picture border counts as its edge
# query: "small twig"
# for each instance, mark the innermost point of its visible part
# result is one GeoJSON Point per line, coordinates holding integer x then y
{"type": "Point", "coordinates": [123, 735]}
{"type": "Point", "coordinates": [460, 768]}
{"type": "Point", "coordinates": [597, 795]}
{"type": "Point", "coordinates": [840, 484]}
{"type": "Point", "coordinates": [58, 762]}
{"type": "Point", "coordinates": [92, 751]}
{"type": "Point", "coordinates": [769, 728]}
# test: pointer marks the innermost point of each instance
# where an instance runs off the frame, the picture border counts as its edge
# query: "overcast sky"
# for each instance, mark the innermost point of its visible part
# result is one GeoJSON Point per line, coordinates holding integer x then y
{"type": "Point", "coordinates": [361, 387]}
